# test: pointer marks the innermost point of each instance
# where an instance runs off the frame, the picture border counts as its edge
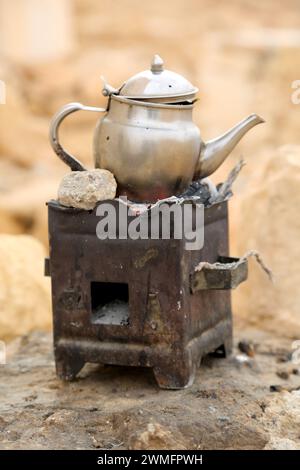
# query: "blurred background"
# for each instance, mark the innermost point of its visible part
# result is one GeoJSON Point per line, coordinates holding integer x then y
{"type": "Point", "coordinates": [243, 55]}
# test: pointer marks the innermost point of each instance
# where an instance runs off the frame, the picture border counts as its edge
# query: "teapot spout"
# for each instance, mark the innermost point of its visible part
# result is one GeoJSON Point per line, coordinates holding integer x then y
{"type": "Point", "coordinates": [214, 152]}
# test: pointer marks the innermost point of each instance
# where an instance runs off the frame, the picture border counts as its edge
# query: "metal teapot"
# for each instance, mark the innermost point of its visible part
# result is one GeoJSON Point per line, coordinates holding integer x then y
{"type": "Point", "coordinates": [147, 137]}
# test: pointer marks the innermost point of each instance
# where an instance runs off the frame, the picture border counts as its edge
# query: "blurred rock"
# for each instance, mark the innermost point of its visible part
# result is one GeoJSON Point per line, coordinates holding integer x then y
{"type": "Point", "coordinates": [8, 224]}
{"type": "Point", "coordinates": [266, 218]}
{"type": "Point", "coordinates": [24, 291]}
{"type": "Point", "coordinates": [157, 437]}
{"type": "Point", "coordinates": [247, 348]}
{"type": "Point", "coordinates": [25, 206]}
{"type": "Point", "coordinates": [282, 419]}
{"type": "Point", "coordinates": [23, 137]}
{"type": "Point", "coordinates": [83, 189]}
{"type": "Point", "coordinates": [276, 443]}
{"type": "Point", "coordinates": [20, 29]}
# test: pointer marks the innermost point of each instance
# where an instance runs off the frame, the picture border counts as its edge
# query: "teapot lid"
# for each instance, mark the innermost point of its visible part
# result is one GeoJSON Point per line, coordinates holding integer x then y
{"type": "Point", "coordinates": [158, 84]}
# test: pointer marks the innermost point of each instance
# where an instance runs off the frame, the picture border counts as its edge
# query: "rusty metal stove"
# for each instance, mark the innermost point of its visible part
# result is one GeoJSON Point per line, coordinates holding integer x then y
{"type": "Point", "coordinates": [155, 309]}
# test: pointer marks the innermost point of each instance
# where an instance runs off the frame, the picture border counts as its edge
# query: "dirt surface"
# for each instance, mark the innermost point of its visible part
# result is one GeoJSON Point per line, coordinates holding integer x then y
{"type": "Point", "coordinates": [229, 406]}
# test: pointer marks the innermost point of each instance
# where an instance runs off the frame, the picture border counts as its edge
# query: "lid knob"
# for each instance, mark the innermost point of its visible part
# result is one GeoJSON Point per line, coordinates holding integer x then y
{"type": "Point", "coordinates": [157, 64]}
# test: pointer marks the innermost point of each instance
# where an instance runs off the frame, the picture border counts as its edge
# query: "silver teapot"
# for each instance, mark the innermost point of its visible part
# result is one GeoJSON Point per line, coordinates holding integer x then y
{"type": "Point", "coordinates": [147, 137]}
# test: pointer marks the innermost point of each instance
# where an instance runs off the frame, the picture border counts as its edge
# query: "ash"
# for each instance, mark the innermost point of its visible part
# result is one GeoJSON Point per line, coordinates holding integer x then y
{"type": "Point", "coordinates": [115, 312]}
{"type": "Point", "coordinates": [207, 193]}
{"type": "Point", "coordinates": [204, 190]}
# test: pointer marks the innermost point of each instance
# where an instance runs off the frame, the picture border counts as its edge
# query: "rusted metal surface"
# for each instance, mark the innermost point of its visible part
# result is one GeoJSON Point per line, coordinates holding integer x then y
{"type": "Point", "coordinates": [227, 274]}
{"type": "Point", "coordinates": [169, 328]}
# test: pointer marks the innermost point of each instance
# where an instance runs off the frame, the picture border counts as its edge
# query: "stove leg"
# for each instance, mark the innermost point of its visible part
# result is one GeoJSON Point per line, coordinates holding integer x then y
{"type": "Point", "coordinates": [176, 375]}
{"type": "Point", "coordinates": [228, 343]}
{"type": "Point", "coordinates": [68, 366]}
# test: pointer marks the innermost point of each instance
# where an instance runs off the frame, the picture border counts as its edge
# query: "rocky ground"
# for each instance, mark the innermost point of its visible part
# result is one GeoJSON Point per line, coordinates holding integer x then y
{"type": "Point", "coordinates": [249, 401]}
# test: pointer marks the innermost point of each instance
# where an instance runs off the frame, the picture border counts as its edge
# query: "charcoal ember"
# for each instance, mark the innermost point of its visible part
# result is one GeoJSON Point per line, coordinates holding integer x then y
{"type": "Point", "coordinates": [247, 347]}
{"type": "Point", "coordinates": [198, 189]}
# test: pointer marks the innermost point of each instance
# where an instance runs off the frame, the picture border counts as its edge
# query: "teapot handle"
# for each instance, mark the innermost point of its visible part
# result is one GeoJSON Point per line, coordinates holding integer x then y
{"type": "Point", "coordinates": [57, 119]}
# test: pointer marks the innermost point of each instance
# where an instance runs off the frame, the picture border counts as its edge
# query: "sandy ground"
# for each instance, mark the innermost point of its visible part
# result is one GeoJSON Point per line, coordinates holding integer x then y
{"type": "Point", "coordinates": [229, 406]}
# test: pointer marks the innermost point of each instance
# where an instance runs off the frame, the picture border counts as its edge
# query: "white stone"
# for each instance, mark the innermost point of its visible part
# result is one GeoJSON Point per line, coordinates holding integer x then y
{"type": "Point", "coordinates": [83, 189]}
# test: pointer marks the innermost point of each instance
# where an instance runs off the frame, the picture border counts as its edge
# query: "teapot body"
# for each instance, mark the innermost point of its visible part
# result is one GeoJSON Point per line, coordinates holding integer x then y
{"type": "Point", "coordinates": [147, 137]}
{"type": "Point", "coordinates": [152, 149]}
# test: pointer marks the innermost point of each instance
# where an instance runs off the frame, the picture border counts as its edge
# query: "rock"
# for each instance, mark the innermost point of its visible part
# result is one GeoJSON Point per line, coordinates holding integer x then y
{"type": "Point", "coordinates": [282, 420]}
{"type": "Point", "coordinates": [26, 45]}
{"type": "Point", "coordinates": [24, 206]}
{"type": "Point", "coordinates": [157, 437]}
{"type": "Point", "coordinates": [283, 374]}
{"type": "Point", "coordinates": [23, 136]}
{"type": "Point", "coordinates": [8, 224]}
{"type": "Point", "coordinates": [83, 189]}
{"type": "Point", "coordinates": [247, 347]}
{"type": "Point", "coordinates": [276, 443]}
{"type": "Point", "coordinates": [266, 218]}
{"type": "Point", "coordinates": [24, 291]}
{"type": "Point", "coordinates": [58, 418]}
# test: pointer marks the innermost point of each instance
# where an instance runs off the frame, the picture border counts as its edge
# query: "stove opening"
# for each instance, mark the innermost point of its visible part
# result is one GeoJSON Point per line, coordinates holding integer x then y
{"type": "Point", "coordinates": [110, 303]}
